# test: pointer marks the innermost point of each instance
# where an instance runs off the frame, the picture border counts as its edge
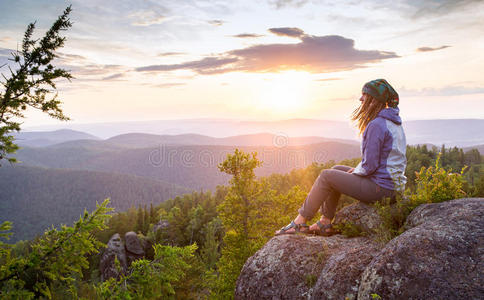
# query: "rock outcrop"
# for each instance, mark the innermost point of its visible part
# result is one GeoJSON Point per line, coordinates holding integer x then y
{"type": "Point", "coordinates": [114, 249]}
{"type": "Point", "coordinates": [125, 254]}
{"type": "Point", "coordinates": [291, 267]}
{"type": "Point", "coordinates": [361, 215]}
{"type": "Point", "coordinates": [134, 247]}
{"type": "Point", "coordinates": [440, 256]}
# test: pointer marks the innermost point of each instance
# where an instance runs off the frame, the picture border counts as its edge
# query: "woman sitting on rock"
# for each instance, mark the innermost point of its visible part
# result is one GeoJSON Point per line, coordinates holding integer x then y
{"type": "Point", "coordinates": [380, 174]}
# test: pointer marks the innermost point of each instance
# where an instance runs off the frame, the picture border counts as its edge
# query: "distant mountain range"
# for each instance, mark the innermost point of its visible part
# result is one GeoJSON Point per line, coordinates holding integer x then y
{"type": "Point", "coordinates": [47, 138]}
{"type": "Point", "coordinates": [452, 132]}
{"type": "Point", "coordinates": [191, 166]}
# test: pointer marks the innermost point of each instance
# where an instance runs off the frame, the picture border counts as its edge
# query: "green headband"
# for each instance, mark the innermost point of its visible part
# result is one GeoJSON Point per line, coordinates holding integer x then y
{"type": "Point", "coordinates": [382, 91]}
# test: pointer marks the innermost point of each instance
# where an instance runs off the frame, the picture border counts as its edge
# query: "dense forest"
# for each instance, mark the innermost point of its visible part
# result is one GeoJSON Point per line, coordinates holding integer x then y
{"type": "Point", "coordinates": [208, 235]}
{"type": "Point", "coordinates": [36, 198]}
{"type": "Point", "coordinates": [191, 166]}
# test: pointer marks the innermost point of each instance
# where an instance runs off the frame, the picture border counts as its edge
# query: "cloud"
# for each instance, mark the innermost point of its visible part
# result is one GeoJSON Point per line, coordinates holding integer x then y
{"type": "Point", "coordinates": [288, 3]}
{"type": "Point", "coordinates": [147, 18]}
{"type": "Point", "coordinates": [328, 79]}
{"type": "Point", "coordinates": [441, 7]}
{"type": "Point", "coordinates": [170, 53]}
{"type": "Point", "coordinates": [113, 77]}
{"type": "Point", "coordinates": [70, 58]}
{"type": "Point", "coordinates": [208, 65]}
{"type": "Point", "coordinates": [428, 49]}
{"type": "Point", "coordinates": [93, 69]}
{"type": "Point", "coordinates": [6, 53]}
{"type": "Point", "coordinates": [315, 54]}
{"type": "Point", "coordinates": [169, 84]}
{"type": "Point", "coordinates": [247, 35]}
{"type": "Point", "coordinates": [443, 91]}
{"type": "Point", "coordinates": [5, 39]}
{"type": "Point", "coordinates": [216, 22]}
{"type": "Point", "coordinates": [287, 31]}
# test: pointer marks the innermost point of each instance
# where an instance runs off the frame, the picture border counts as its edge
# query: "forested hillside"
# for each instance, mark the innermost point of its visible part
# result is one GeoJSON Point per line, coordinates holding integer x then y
{"type": "Point", "coordinates": [35, 198]}
{"type": "Point", "coordinates": [192, 166]}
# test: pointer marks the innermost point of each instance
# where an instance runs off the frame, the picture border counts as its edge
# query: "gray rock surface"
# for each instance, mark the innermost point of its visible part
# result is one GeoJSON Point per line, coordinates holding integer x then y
{"type": "Point", "coordinates": [107, 267]}
{"type": "Point", "coordinates": [440, 256]}
{"type": "Point", "coordinates": [361, 215]}
{"type": "Point", "coordinates": [340, 277]}
{"type": "Point", "coordinates": [290, 266]}
{"type": "Point", "coordinates": [133, 243]}
{"type": "Point", "coordinates": [134, 247]}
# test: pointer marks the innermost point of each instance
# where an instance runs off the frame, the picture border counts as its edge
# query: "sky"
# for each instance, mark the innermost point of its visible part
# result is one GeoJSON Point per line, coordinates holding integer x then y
{"type": "Point", "coordinates": [137, 60]}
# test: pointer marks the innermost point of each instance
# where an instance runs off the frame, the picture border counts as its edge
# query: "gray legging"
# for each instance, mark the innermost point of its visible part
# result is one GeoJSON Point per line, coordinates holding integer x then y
{"type": "Point", "coordinates": [329, 186]}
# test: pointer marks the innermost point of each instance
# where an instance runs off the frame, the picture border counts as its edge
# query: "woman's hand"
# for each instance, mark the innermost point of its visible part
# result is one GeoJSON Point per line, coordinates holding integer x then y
{"type": "Point", "coordinates": [351, 170]}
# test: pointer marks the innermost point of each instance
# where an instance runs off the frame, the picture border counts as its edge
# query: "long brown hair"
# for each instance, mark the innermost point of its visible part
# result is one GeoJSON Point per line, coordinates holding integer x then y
{"type": "Point", "coordinates": [366, 112]}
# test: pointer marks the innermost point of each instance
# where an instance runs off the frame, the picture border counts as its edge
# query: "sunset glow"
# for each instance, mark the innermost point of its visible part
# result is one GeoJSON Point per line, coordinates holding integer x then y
{"type": "Point", "coordinates": [257, 60]}
{"type": "Point", "coordinates": [284, 92]}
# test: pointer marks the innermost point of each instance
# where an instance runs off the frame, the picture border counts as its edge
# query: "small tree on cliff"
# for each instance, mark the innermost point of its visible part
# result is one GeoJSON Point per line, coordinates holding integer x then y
{"type": "Point", "coordinates": [241, 213]}
{"type": "Point", "coordinates": [31, 83]}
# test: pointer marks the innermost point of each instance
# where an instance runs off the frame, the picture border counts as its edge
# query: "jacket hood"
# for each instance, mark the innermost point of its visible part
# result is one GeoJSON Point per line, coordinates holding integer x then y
{"type": "Point", "coordinates": [391, 114]}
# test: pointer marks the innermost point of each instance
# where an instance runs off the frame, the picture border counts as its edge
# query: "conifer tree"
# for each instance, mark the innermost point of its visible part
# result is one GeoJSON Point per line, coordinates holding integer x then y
{"type": "Point", "coordinates": [140, 219]}
{"type": "Point", "coordinates": [146, 221]}
{"type": "Point", "coordinates": [241, 214]}
{"type": "Point", "coordinates": [153, 219]}
{"type": "Point", "coordinates": [32, 82]}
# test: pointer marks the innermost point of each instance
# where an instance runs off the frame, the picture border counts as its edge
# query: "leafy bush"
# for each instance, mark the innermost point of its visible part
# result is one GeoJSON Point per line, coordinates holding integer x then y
{"type": "Point", "coordinates": [55, 261]}
{"type": "Point", "coordinates": [150, 279]}
{"type": "Point", "coordinates": [349, 230]}
{"type": "Point", "coordinates": [433, 185]}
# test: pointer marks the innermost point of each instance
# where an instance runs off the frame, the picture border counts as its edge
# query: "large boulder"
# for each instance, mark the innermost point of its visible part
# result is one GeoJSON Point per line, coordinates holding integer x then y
{"type": "Point", "coordinates": [290, 267]}
{"type": "Point", "coordinates": [134, 247]}
{"type": "Point", "coordinates": [440, 256]}
{"type": "Point", "coordinates": [341, 274]}
{"type": "Point", "coordinates": [361, 215]}
{"type": "Point", "coordinates": [114, 249]}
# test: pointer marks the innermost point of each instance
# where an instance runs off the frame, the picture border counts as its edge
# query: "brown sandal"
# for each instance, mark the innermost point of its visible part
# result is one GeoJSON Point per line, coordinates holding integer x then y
{"type": "Point", "coordinates": [297, 228]}
{"type": "Point", "coordinates": [323, 229]}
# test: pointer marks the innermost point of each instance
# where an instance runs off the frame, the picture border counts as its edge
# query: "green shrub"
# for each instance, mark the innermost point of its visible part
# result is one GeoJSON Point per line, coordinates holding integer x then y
{"type": "Point", "coordinates": [311, 280]}
{"type": "Point", "coordinates": [433, 185]}
{"type": "Point", "coordinates": [349, 229]}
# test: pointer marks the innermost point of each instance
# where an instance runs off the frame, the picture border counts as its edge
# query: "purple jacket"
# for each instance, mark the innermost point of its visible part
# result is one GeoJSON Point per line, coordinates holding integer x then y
{"type": "Point", "coordinates": [383, 151]}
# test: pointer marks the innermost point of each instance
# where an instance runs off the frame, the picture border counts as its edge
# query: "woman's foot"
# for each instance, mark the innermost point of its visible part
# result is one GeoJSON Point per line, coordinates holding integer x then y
{"type": "Point", "coordinates": [293, 228]}
{"type": "Point", "coordinates": [298, 225]}
{"type": "Point", "coordinates": [322, 227]}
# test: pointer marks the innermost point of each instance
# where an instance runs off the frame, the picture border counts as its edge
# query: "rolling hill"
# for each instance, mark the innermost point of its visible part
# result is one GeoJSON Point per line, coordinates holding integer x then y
{"type": "Point", "coordinates": [451, 132]}
{"type": "Point", "coordinates": [35, 198]}
{"type": "Point", "coordinates": [192, 166]}
{"type": "Point", "coordinates": [47, 138]}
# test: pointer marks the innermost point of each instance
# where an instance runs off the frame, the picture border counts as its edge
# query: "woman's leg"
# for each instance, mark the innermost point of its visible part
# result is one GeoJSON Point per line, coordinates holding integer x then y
{"type": "Point", "coordinates": [327, 190]}
{"type": "Point", "coordinates": [328, 187]}
{"type": "Point", "coordinates": [341, 168]}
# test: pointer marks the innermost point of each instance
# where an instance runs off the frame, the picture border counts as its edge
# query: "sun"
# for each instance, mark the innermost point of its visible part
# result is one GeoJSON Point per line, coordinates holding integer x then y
{"type": "Point", "coordinates": [284, 92]}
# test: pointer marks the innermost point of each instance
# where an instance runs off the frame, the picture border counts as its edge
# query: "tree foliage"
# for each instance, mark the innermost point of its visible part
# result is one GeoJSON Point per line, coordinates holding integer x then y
{"type": "Point", "coordinates": [55, 260]}
{"type": "Point", "coordinates": [32, 82]}
{"type": "Point", "coordinates": [433, 185]}
{"type": "Point", "coordinates": [150, 279]}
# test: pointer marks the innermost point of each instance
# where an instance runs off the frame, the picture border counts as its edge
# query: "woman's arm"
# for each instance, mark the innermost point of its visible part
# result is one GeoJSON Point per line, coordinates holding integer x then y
{"type": "Point", "coordinates": [372, 142]}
